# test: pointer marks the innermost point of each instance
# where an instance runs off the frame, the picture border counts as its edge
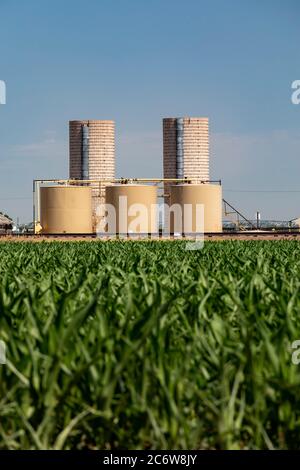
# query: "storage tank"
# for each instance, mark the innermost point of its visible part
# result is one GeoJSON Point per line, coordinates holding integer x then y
{"type": "Point", "coordinates": [66, 209]}
{"type": "Point", "coordinates": [210, 195]}
{"type": "Point", "coordinates": [135, 208]}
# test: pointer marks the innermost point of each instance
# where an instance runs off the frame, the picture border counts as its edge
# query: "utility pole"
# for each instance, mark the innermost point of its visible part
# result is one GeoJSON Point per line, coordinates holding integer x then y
{"type": "Point", "coordinates": [257, 220]}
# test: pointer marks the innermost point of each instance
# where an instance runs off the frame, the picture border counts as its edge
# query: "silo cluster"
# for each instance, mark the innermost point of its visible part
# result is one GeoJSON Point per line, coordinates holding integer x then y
{"type": "Point", "coordinates": [186, 158]}
{"type": "Point", "coordinates": [79, 208]}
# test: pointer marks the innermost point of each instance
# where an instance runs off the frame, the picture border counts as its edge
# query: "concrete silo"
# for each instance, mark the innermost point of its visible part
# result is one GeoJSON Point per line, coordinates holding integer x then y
{"type": "Point", "coordinates": [92, 156]}
{"type": "Point", "coordinates": [185, 151]}
{"type": "Point", "coordinates": [186, 148]}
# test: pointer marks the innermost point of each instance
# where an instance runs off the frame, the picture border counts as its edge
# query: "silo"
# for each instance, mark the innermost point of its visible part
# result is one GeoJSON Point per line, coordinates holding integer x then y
{"type": "Point", "coordinates": [92, 157]}
{"type": "Point", "coordinates": [135, 207]}
{"type": "Point", "coordinates": [186, 149]}
{"type": "Point", "coordinates": [187, 197]}
{"type": "Point", "coordinates": [66, 209]}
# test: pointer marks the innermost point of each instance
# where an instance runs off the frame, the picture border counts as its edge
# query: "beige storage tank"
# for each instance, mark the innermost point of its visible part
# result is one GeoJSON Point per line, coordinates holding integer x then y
{"type": "Point", "coordinates": [66, 209]}
{"type": "Point", "coordinates": [137, 213]}
{"type": "Point", "coordinates": [210, 195]}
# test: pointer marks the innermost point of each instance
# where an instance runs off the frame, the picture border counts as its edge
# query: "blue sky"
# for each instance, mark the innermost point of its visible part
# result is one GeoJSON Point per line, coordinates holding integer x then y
{"type": "Point", "coordinates": [139, 61]}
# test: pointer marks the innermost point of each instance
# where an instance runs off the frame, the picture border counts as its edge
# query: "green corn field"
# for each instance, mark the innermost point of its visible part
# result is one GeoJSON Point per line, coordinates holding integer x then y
{"type": "Point", "coordinates": [145, 345]}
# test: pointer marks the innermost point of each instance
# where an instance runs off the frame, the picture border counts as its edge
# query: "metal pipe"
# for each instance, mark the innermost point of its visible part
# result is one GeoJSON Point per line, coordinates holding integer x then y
{"type": "Point", "coordinates": [235, 211]}
{"type": "Point", "coordinates": [33, 206]}
{"type": "Point", "coordinates": [179, 148]}
{"type": "Point", "coordinates": [257, 219]}
{"type": "Point", "coordinates": [38, 215]}
{"type": "Point", "coordinates": [36, 203]}
{"type": "Point", "coordinates": [121, 180]}
{"type": "Point", "coordinates": [85, 152]}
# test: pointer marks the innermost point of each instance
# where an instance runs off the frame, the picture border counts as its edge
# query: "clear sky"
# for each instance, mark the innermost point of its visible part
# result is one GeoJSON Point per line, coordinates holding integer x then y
{"type": "Point", "coordinates": [137, 61]}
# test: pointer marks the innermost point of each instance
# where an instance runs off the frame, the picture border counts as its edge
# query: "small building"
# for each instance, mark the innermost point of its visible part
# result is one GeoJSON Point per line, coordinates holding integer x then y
{"type": "Point", "coordinates": [296, 222]}
{"type": "Point", "coordinates": [6, 224]}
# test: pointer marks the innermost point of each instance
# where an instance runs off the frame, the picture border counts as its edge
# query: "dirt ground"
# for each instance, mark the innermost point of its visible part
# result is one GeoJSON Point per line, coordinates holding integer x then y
{"type": "Point", "coordinates": [209, 237]}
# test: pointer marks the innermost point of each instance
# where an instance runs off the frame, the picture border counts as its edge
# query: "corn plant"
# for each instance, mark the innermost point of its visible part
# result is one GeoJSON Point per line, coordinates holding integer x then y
{"type": "Point", "coordinates": [145, 345]}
